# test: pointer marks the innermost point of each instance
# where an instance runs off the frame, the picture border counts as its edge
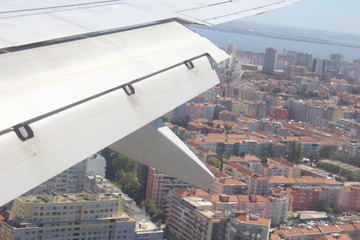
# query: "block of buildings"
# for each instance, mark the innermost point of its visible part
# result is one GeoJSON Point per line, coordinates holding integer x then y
{"type": "Point", "coordinates": [291, 169]}
{"type": "Point", "coordinates": [159, 185]}
{"type": "Point", "coordinates": [68, 216]}
{"type": "Point", "coordinates": [248, 227]}
{"type": "Point", "coordinates": [228, 186]}
{"type": "Point", "coordinates": [273, 170]}
{"type": "Point", "coordinates": [71, 180]}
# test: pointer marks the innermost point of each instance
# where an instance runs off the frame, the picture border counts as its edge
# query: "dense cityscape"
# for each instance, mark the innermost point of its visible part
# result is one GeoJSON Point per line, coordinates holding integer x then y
{"type": "Point", "coordinates": [280, 134]}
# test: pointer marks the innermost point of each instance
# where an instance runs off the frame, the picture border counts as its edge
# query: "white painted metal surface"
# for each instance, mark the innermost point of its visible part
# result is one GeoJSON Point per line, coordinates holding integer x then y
{"type": "Point", "coordinates": [64, 139]}
{"type": "Point", "coordinates": [160, 148]}
{"type": "Point", "coordinates": [38, 80]}
{"type": "Point", "coordinates": [232, 10]}
{"type": "Point", "coordinates": [29, 21]}
{"type": "Point", "coordinates": [69, 72]}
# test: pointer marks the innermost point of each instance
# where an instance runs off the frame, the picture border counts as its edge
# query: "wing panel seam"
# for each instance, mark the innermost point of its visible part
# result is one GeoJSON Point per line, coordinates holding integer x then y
{"type": "Point", "coordinates": [122, 86]}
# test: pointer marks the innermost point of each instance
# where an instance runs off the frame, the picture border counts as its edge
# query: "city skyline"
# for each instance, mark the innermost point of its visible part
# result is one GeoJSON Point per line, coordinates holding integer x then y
{"type": "Point", "coordinates": [342, 18]}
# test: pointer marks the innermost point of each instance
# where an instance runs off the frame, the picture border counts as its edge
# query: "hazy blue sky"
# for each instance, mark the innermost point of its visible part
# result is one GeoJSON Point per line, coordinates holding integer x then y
{"type": "Point", "coordinates": [329, 15]}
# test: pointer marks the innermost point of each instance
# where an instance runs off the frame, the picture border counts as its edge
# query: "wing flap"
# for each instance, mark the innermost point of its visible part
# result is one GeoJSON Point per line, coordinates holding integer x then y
{"type": "Point", "coordinates": [157, 146]}
{"type": "Point", "coordinates": [63, 139]}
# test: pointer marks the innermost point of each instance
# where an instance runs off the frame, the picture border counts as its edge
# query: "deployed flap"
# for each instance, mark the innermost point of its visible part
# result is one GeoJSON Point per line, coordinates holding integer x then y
{"type": "Point", "coordinates": [157, 146]}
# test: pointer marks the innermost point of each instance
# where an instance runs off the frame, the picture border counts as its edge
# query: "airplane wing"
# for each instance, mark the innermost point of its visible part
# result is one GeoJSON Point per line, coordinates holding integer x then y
{"type": "Point", "coordinates": [78, 76]}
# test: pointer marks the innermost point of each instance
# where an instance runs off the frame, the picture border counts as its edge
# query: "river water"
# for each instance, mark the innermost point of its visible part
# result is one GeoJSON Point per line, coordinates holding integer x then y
{"type": "Point", "coordinates": [259, 44]}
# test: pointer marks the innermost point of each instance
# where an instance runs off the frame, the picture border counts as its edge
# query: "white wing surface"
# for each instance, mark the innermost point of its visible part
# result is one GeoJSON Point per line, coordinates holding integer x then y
{"type": "Point", "coordinates": [74, 100]}
{"type": "Point", "coordinates": [78, 76]}
{"type": "Point", "coordinates": [30, 21]}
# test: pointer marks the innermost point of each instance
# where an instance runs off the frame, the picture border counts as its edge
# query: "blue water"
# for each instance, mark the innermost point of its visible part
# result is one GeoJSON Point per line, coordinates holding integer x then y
{"type": "Point", "coordinates": [259, 44]}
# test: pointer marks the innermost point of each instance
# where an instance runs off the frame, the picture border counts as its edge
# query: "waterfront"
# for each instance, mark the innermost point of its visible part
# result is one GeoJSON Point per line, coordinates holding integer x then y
{"type": "Point", "coordinates": [259, 44]}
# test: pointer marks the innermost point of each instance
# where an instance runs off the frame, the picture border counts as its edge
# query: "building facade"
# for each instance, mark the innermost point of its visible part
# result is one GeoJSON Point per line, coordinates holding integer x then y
{"type": "Point", "coordinates": [68, 216]}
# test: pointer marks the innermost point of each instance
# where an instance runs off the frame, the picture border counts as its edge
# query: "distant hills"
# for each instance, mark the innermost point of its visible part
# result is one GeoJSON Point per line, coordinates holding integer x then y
{"type": "Point", "coordinates": [286, 33]}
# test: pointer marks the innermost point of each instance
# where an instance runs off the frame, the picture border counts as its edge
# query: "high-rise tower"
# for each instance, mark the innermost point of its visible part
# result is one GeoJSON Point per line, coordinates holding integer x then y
{"type": "Point", "coordinates": [269, 60]}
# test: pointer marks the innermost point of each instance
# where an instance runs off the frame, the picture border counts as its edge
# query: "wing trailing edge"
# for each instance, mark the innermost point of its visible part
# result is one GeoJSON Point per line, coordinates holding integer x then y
{"type": "Point", "coordinates": [157, 146]}
{"type": "Point", "coordinates": [102, 110]}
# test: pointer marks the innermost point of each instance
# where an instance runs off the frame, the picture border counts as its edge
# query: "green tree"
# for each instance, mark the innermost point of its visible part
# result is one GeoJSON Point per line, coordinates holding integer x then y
{"type": "Point", "coordinates": [128, 183]}
{"type": "Point", "coordinates": [164, 119]}
{"type": "Point", "coordinates": [227, 128]}
{"type": "Point", "coordinates": [325, 152]}
{"type": "Point", "coordinates": [216, 112]}
{"type": "Point", "coordinates": [323, 206]}
{"type": "Point", "coordinates": [264, 159]}
{"type": "Point", "coordinates": [156, 215]}
{"type": "Point", "coordinates": [115, 162]}
{"type": "Point", "coordinates": [181, 121]}
{"type": "Point", "coordinates": [214, 162]}
{"type": "Point", "coordinates": [339, 209]}
{"type": "Point", "coordinates": [295, 153]}
{"type": "Point", "coordinates": [343, 102]}
{"type": "Point", "coordinates": [122, 171]}
{"type": "Point", "coordinates": [328, 167]}
{"type": "Point", "coordinates": [305, 173]}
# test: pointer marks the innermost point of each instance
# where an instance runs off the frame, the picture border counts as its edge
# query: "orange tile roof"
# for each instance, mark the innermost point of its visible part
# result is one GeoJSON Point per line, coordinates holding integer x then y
{"type": "Point", "coordinates": [246, 172]}
{"type": "Point", "coordinates": [220, 174]}
{"type": "Point", "coordinates": [281, 179]}
{"type": "Point", "coordinates": [279, 160]}
{"type": "Point", "coordinates": [261, 178]}
{"type": "Point", "coordinates": [291, 232]}
{"type": "Point", "coordinates": [260, 221]}
{"type": "Point", "coordinates": [272, 166]}
{"type": "Point", "coordinates": [231, 182]}
{"type": "Point", "coordinates": [245, 158]}
{"type": "Point", "coordinates": [289, 164]}
{"type": "Point", "coordinates": [343, 236]}
{"type": "Point", "coordinates": [233, 165]}
{"type": "Point", "coordinates": [181, 192]}
{"type": "Point", "coordinates": [193, 144]}
{"type": "Point", "coordinates": [311, 231]}
{"type": "Point", "coordinates": [214, 198]}
{"type": "Point", "coordinates": [201, 120]}
{"type": "Point", "coordinates": [327, 142]}
{"type": "Point", "coordinates": [329, 229]}
{"type": "Point", "coordinates": [346, 227]}
{"type": "Point", "coordinates": [205, 150]}
{"type": "Point", "coordinates": [275, 237]}
{"type": "Point", "coordinates": [200, 192]}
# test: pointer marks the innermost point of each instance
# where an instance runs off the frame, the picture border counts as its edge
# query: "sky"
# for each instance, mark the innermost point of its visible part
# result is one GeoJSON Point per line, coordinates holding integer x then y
{"type": "Point", "coordinates": [329, 15]}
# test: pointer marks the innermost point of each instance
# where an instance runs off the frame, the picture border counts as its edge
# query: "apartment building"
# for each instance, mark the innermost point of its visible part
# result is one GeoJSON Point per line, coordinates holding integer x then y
{"type": "Point", "coordinates": [251, 162]}
{"type": "Point", "coordinates": [200, 110]}
{"type": "Point", "coordinates": [193, 217]}
{"type": "Point", "coordinates": [276, 207]}
{"type": "Point", "coordinates": [228, 186]}
{"type": "Point", "coordinates": [248, 227]}
{"type": "Point", "coordinates": [159, 185]}
{"type": "Point", "coordinates": [290, 168]}
{"type": "Point", "coordinates": [304, 196]}
{"type": "Point", "coordinates": [182, 222]}
{"type": "Point", "coordinates": [348, 231]}
{"type": "Point", "coordinates": [237, 144]}
{"type": "Point", "coordinates": [72, 179]}
{"type": "Point", "coordinates": [78, 216]}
